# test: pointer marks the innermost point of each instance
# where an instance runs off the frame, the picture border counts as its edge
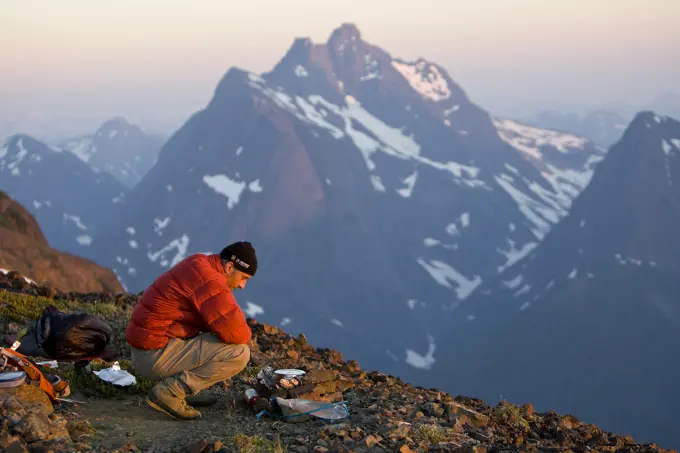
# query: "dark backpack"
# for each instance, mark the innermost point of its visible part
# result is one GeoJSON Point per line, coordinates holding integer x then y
{"type": "Point", "coordinates": [66, 336]}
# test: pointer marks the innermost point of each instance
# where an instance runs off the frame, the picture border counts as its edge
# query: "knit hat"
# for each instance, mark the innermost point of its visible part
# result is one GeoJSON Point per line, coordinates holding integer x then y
{"type": "Point", "coordinates": [242, 254]}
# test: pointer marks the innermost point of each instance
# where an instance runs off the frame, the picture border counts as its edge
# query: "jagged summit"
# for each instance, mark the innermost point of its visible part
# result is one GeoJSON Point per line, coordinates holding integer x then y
{"type": "Point", "coordinates": [346, 31]}
{"type": "Point", "coordinates": [119, 121]}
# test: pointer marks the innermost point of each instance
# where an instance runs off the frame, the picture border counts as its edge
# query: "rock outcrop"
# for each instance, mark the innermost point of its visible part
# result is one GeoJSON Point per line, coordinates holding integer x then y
{"type": "Point", "coordinates": [24, 249]}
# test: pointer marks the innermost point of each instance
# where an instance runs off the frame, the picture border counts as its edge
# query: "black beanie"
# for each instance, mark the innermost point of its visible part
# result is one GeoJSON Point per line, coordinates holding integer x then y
{"type": "Point", "coordinates": [242, 254]}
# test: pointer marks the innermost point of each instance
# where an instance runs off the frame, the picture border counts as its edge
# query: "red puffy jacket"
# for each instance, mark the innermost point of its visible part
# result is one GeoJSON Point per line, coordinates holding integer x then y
{"type": "Point", "coordinates": [190, 298]}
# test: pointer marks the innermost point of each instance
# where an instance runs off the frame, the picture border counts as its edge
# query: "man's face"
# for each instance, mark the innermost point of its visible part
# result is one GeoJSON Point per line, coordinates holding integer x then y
{"type": "Point", "coordinates": [235, 278]}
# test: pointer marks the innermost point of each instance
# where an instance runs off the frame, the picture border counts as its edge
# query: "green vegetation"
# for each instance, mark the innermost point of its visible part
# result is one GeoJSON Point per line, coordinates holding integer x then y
{"type": "Point", "coordinates": [23, 307]}
{"type": "Point", "coordinates": [251, 371]}
{"type": "Point", "coordinates": [89, 384]}
{"type": "Point", "coordinates": [431, 433]}
{"type": "Point", "coordinates": [511, 415]}
{"type": "Point", "coordinates": [255, 444]}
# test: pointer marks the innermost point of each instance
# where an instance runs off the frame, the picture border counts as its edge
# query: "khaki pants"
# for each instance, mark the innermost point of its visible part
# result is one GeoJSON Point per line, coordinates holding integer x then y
{"type": "Point", "coordinates": [189, 366]}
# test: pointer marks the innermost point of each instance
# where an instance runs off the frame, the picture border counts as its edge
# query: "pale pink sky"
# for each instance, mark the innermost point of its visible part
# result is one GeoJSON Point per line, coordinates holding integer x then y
{"type": "Point", "coordinates": [157, 61]}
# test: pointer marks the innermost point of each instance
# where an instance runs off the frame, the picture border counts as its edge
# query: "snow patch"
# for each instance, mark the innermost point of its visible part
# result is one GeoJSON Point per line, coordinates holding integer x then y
{"type": "Point", "coordinates": [285, 322]}
{"type": "Point", "coordinates": [423, 362]}
{"type": "Point", "coordinates": [431, 242]}
{"type": "Point", "coordinates": [465, 219]}
{"type": "Point", "coordinates": [83, 148]}
{"type": "Point", "coordinates": [514, 254]}
{"type": "Point", "coordinates": [451, 110]}
{"type": "Point", "coordinates": [337, 322]}
{"type": "Point", "coordinates": [130, 230]}
{"type": "Point", "coordinates": [638, 262]}
{"type": "Point", "coordinates": [371, 69]}
{"type": "Point", "coordinates": [75, 219]}
{"type": "Point", "coordinates": [84, 239]}
{"type": "Point", "coordinates": [380, 137]}
{"type": "Point", "coordinates": [253, 310]}
{"type": "Point", "coordinates": [514, 283]}
{"type": "Point", "coordinates": [226, 186]}
{"type": "Point", "coordinates": [159, 225]}
{"type": "Point", "coordinates": [442, 273]}
{"type": "Point", "coordinates": [667, 148]}
{"type": "Point", "coordinates": [527, 206]}
{"type": "Point", "coordinates": [412, 303]}
{"type": "Point", "coordinates": [425, 79]}
{"type": "Point", "coordinates": [529, 139]}
{"type": "Point", "coordinates": [18, 158]}
{"type": "Point", "coordinates": [179, 246]}
{"type": "Point", "coordinates": [410, 182]}
{"type": "Point", "coordinates": [377, 183]}
{"type": "Point", "coordinates": [255, 186]}
{"type": "Point", "coordinates": [300, 71]}
{"type": "Point", "coordinates": [133, 244]}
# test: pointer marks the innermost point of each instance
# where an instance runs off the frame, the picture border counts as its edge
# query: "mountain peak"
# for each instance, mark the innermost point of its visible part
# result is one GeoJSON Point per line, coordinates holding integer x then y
{"type": "Point", "coordinates": [346, 31]}
{"type": "Point", "coordinates": [647, 122]}
{"type": "Point", "coordinates": [111, 127]}
{"type": "Point", "coordinates": [116, 121]}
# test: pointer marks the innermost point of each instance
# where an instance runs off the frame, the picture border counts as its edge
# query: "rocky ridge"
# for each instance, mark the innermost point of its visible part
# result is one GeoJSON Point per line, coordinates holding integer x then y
{"type": "Point", "coordinates": [23, 247]}
{"type": "Point", "coordinates": [386, 414]}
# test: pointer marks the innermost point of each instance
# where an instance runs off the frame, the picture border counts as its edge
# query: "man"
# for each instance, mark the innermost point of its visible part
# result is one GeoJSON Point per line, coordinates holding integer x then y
{"type": "Point", "coordinates": [165, 336]}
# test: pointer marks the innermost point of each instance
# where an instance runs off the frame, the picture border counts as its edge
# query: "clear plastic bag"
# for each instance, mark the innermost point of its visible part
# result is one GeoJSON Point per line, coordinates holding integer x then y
{"type": "Point", "coordinates": [300, 409]}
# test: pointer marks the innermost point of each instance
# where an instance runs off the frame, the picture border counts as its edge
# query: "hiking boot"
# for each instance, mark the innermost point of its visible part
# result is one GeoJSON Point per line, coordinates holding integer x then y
{"type": "Point", "coordinates": [202, 399]}
{"type": "Point", "coordinates": [162, 399]}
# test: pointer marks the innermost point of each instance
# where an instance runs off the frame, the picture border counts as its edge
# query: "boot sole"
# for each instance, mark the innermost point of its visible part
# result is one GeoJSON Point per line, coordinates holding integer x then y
{"type": "Point", "coordinates": [160, 409]}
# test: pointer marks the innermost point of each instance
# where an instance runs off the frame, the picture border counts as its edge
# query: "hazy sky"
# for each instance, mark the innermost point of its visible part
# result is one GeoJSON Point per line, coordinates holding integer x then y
{"type": "Point", "coordinates": [157, 61]}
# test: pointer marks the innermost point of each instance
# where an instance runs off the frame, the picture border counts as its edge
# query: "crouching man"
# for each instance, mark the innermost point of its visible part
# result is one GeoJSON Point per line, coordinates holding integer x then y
{"type": "Point", "coordinates": [187, 331]}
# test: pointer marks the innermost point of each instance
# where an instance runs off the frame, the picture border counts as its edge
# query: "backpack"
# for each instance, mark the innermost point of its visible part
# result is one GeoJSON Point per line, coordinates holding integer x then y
{"type": "Point", "coordinates": [66, 336]}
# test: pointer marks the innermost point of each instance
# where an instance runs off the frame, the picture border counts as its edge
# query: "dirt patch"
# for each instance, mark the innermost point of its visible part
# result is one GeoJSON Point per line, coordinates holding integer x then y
{"type": "Point", "coordinates": [129, 420]}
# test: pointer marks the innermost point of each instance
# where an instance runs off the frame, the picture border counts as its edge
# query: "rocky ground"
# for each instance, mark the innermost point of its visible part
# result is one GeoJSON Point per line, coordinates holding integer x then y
{"type": "Point", "coordinates": [386, 414]}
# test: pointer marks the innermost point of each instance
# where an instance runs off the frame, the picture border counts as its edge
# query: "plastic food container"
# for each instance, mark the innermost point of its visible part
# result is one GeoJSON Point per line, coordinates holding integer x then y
{"type": "Point", "coordinates": [11, 379]}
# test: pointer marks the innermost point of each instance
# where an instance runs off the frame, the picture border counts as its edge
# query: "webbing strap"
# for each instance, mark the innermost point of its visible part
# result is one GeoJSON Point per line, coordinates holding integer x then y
{"type": "Point", "coordinates": [34, 373]}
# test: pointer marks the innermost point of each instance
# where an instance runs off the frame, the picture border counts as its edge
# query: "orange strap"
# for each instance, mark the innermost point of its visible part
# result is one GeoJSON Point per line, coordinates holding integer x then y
{"type": "Point", "coordinates": [34, 373]}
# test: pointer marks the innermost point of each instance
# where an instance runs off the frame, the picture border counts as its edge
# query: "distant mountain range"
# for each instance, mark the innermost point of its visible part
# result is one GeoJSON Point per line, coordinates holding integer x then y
{"type": "Point", "coordinates": [372, 188]}
{"type": "Point", "coordinates": [589, 322]}
{"type": "Point", "coordinates": [401, 223]}
{"type": "Point", "coordinates": [119, 148]}
{"type": "Point", "coordinates": [602, 127]}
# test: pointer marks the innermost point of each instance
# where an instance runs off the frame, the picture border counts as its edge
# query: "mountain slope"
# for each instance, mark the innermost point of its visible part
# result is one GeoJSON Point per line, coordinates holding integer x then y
{"type": "Point", "coordinates": [372, 188]}
{"type": "Point", "coordinates": [590, 321]}
{"type": "Point", "coordinates": [24, 249]}
{"type": "Point", "coordinates": [601, 126]}
{"type": "Point", "coordinates": [118, 148]}
{"type": "Point", "coordinates": [69, 200]}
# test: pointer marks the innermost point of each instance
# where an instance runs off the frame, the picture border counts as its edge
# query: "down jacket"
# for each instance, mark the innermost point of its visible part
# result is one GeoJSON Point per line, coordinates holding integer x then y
{"type": "Point", "coordinates": [189, 298]}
